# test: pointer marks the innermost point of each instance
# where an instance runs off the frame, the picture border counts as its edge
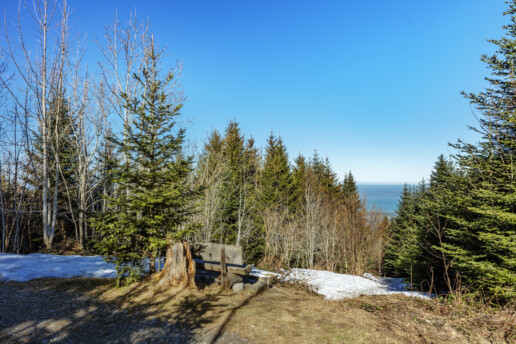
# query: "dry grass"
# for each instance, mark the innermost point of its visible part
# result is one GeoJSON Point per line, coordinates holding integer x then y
{"type": "Point", "coordinates": [94, 311]}
{"type": "Point", "coordinates": [291, 315]}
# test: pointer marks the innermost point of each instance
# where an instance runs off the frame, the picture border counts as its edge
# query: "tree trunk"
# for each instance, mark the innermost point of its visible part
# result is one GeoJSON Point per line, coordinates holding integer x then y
{"type": "Point", "coordinates": [179, 269]}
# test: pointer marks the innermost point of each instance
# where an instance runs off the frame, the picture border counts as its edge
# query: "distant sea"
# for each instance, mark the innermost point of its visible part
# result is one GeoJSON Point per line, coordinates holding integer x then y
{"type": "Point", "coordinates": [381, 196]}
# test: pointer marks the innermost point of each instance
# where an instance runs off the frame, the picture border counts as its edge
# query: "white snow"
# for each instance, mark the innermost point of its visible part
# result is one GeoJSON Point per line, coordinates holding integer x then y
{"type": "Point", "coordinates": [17, 267]}
{"type": "Point", "coordinates": [331, 285]}
{"type": "Point", "coordinates": [334, 286]}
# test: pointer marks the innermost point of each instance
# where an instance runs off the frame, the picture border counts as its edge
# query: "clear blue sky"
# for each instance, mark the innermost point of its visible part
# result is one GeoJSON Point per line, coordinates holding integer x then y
{"type": "Point", "coordinates": [373, 85]}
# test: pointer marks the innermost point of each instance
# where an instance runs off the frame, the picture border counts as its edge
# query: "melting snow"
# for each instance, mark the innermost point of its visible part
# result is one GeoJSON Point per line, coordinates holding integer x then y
{"type": "Point", "coordinates": [334, 286]}
{"type": "Point", "coordinates": [17, 267]}
{"type": "Point", "coordinates": [331, 285]}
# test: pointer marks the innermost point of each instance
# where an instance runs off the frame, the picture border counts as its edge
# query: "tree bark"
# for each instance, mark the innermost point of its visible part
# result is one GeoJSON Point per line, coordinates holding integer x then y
{"type": "Point", "coordinates": [179, 269]}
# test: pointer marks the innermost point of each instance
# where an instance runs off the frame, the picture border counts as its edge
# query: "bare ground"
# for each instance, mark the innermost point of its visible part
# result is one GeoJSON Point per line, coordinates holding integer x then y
{"type": "Point", "coordinates": [95, 311]}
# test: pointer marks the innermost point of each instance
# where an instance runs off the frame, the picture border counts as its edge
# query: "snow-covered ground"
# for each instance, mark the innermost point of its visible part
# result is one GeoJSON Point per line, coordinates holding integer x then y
{"type": "Point", "coordinates": [333, 286]}
{"type": "Point", "coordinates": [18, 267]}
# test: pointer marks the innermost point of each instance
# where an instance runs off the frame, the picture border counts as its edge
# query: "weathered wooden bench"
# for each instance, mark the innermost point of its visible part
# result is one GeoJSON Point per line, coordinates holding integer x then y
{"type": "Point", "coordinates": [212, 257]}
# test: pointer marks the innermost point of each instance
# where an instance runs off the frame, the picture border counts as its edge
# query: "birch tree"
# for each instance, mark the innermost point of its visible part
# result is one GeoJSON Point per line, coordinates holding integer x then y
{"type": "Point", "coordinates": [40, 72]}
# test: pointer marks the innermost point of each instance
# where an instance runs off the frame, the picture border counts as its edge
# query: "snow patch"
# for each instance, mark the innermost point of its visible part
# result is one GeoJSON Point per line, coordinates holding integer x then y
{"type": "Point", "coordinates": [334, 286]}
{"type": "Point", "coordinates": [21, 268]}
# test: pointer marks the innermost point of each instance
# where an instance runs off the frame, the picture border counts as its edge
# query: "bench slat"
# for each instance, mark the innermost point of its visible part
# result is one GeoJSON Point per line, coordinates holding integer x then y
{"type": "Point", "coordinates": [210, 252]}
{"type": "Point", "coordinates": [238, 270]}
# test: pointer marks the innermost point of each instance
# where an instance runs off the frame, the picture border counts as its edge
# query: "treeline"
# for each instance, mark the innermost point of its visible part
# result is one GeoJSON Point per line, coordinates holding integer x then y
{"type": "Point", "coordinates": [285, 215]}
{"type": "Point", "coordinates": [457, 233]}
{"type": "Point", "coordinates": [95, 161]}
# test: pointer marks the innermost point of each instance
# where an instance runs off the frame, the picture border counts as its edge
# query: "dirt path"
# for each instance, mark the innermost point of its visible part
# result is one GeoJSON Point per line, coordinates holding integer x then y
{"type": "Point", "coordinates": [93, 311]}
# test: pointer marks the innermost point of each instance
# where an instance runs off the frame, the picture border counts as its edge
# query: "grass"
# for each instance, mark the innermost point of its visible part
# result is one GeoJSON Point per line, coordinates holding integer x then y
{"type": "Point", "coordinates": [95, 310]}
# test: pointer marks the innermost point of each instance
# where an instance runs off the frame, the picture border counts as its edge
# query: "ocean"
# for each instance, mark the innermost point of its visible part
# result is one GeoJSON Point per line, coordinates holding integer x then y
{"type": "Point", "coordinates": [381, 196]}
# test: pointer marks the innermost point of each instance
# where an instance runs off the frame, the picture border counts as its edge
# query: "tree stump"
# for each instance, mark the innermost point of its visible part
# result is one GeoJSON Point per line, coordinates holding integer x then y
{"type": "Point", "coordinates": [179, 269]}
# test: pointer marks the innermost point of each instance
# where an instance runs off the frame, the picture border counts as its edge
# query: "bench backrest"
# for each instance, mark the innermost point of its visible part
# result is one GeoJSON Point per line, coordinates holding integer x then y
{"type": "Point", "coordinates": [210, 252]}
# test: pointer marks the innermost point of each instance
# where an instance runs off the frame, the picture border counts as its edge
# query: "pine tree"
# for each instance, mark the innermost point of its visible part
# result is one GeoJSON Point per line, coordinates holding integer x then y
{"type": "Point", "coordinates": [275, 187]}
{"type": "Point", "coordinates": [348, 187]}
{"type": "Point", "coordinates": [483, 246]}
{"type": "Point", "coordinates": [275, 177]}
{"type": "Point", "coordinates": [437, 207]}
{"type": "Point", "coordinates": [403, 250]}
{"type": "Point", "coordinates": [210, 174]}
{"type": "Point", "coordinates": [324, 174]}
{"type": "Point", "coordinates": [232, 188]}
{"type": "Point", "coordinates": [297, 185]}
{"type": "Point", "coordinates": [153, 194]}
{"type": "Point", "coordinates": [249, 219]}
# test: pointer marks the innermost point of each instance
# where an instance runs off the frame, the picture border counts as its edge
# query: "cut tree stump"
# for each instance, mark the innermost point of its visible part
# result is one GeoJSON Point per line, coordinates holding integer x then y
{"type": "Point", "coordinates": [179, 269]}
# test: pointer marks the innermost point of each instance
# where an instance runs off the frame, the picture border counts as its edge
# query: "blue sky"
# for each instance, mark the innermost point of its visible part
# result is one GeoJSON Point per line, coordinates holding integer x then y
{"type": "Point", "coordinates": [373, 85]}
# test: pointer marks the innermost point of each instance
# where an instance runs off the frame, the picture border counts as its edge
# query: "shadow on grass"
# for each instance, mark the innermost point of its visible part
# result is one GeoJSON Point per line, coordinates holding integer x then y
{"type": "Point", "coordinates": [229, 315]}
{"type": "Point", "coordinates": [77, 311]}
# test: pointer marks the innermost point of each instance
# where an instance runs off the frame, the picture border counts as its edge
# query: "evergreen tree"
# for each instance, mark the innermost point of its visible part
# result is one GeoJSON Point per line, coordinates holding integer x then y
{"type": "Point", "coordinates": [483, 247]}
{"type": "Point", "coordinates": [324, 174]}
{"type": "Point", "coordinates": [152, 204]}
{"type": "Point", "coordinates": [438, 206]}
{"type": "Point", "coordinates": [297, 185]}
{"type": "Point", "coordinates": [275, 176]}
{"type": "Point", "coordinates": [348, 187]}
{"type": "Point", "coordinates": [250, 226]}
{"type": "Point", "coordinates": [404, 256]}
{"type": "Point", "coordinates": [275, 186]}
{"type": "Point", "coordinates": [210, 174]}
{"type": "Point", "coordinates": [233, 154]}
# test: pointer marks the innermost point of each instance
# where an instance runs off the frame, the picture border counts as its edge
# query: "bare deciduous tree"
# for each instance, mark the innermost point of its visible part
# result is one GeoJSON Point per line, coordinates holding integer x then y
{"type": "Point", "coordinates": [42, 73]}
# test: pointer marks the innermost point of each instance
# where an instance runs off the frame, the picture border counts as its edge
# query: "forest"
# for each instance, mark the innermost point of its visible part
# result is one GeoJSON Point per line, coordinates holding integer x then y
{"type": "Point", "coordinates": [97, 162]}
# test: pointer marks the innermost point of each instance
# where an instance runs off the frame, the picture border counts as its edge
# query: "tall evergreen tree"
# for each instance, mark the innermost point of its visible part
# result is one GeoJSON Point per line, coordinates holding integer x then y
{"type": "Point", "coordinates": [324, 174]}
{"type": "Point", "coordinates": [233, 153]}
{"type": "Point", "coordinates": [154, 194]}
{"type": "Point", "coordinates": [299, 174]}
{"type": "Point", "coordinates": [348, 187]}
{"type": "Point", "coordinates": [275, 176]}
{"type": "Point", "coordinates": [249, 214]}
{"type": "Point", "coordinates": [483, 248]}
{"type": "Point", "coordinates": [211, 174]}
{"type": "Point", "coordinates": [275, 186]}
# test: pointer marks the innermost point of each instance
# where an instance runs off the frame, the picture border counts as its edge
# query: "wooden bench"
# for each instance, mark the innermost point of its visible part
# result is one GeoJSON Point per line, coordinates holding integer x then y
{"type": "Point", "coordinates": [212, 257]}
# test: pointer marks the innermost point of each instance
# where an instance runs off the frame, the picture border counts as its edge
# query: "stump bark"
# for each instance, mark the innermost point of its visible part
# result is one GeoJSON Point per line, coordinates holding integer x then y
{"type": "Point", "coordinates": [179, 269]}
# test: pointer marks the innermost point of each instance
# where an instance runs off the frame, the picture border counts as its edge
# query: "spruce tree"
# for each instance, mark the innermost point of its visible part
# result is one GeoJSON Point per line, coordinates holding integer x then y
{"type": "Point", "coordinates": [483, 248]}
{"type": "Point", "coordinates": [211, 171]}
{"type": "Point", "coordinates": [250, 227]}
{"type": "Point", "coordinates": [232, 189]}
{"type": "Point", "coordinates": [297, 186]}
{"type": "Point", "coordinates": [153, 194]}
{"type": "Point", "coordinates": [403, 249]}
{"type": "Point", "coordinates": [275, 177]}
{"type": "Point", "coordinates": [348, 187]}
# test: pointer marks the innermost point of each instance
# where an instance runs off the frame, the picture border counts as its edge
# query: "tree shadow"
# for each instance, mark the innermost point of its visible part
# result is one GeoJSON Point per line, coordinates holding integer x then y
{"type": "Point", "coordinates": [78, 311]}
{"type": "Point", "coordinates": [229, 315]}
